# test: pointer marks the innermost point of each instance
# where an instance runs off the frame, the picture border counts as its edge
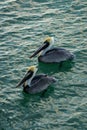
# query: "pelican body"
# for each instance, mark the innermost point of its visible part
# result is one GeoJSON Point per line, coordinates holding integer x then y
{"type": "Point", "coordinates": [33, 83]}
{"type": "Point", "coordinates": [50, 54]}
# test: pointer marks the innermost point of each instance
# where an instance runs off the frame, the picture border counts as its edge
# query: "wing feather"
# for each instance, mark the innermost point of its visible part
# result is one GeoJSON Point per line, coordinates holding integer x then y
{"type": "Point", "coordinates": [40, 85]}
{"type": "Point", "coordinates": [56, 55]}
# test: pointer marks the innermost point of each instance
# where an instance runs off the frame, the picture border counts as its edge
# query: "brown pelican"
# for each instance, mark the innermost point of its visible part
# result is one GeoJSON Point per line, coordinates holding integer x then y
{"type": "Point", "coordinates": [35, 83]}
{"type": "Point", "coordinates": [50, 54]}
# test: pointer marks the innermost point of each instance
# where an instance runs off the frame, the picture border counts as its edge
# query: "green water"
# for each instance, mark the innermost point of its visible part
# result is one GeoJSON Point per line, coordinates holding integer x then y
{"type": "Point", "coordinates": [23, 26]}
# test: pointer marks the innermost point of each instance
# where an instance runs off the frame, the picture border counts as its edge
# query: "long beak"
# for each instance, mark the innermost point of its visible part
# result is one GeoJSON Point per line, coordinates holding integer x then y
{"type": "Point", "coordinates": [45, 45]}
{"type": "Point", "coordinates": [26, 77]}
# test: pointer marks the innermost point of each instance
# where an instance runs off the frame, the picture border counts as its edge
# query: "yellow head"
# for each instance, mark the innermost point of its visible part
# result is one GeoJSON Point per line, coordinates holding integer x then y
{"type": "Point", "coordinates": [49, 40]}
{"type": "Point", "coordinates": [32, 68]}
{"type": "Point", "coordinates": [28, 76]}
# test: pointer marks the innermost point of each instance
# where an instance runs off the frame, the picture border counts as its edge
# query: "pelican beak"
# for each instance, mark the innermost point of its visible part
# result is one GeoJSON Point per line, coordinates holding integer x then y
{"type": "Point", "coordinates": [44, 46]}
{"type": "Point", "coordinates": [26, 77]}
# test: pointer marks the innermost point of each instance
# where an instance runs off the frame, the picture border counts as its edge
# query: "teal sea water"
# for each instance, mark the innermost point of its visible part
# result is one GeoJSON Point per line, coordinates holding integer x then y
{"type": "Point", "coordinates": [23, 26]}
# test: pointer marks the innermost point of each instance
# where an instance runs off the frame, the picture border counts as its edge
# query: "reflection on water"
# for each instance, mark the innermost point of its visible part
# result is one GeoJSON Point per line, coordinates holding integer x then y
{"type": "Point", "coordinates": [55, 67]}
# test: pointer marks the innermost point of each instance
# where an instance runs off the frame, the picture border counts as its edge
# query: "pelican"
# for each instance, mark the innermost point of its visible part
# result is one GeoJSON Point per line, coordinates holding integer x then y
{"type": "Point", "coordinates": [50, 54]}
{"type": "Point", "coordinates": [33, 83]}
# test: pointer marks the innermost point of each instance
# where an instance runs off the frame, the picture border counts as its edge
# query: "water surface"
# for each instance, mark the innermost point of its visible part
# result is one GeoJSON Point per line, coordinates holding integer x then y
{"type": "Point", "coordinates": [23, 26]}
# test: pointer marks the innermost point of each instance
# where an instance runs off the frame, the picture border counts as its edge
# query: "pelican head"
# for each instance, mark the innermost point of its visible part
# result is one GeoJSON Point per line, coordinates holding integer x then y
{"type": "Point", "coordinates": [28, 76]}
{"type": "Point", "coordinates": [49, 41]}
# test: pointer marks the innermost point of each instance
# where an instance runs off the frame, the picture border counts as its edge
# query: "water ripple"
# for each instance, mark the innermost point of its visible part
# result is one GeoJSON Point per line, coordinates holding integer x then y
{"type": "Point", "coordinates": [24, 25]}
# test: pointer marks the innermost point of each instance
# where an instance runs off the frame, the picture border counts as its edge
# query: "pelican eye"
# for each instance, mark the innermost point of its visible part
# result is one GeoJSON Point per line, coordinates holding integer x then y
{"type": "Point", "coordinates": [30, 71]}
{"type": "Point", "coordinates": [46, 44]}
{"type": "Point", "coordinates": [29, 74]}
